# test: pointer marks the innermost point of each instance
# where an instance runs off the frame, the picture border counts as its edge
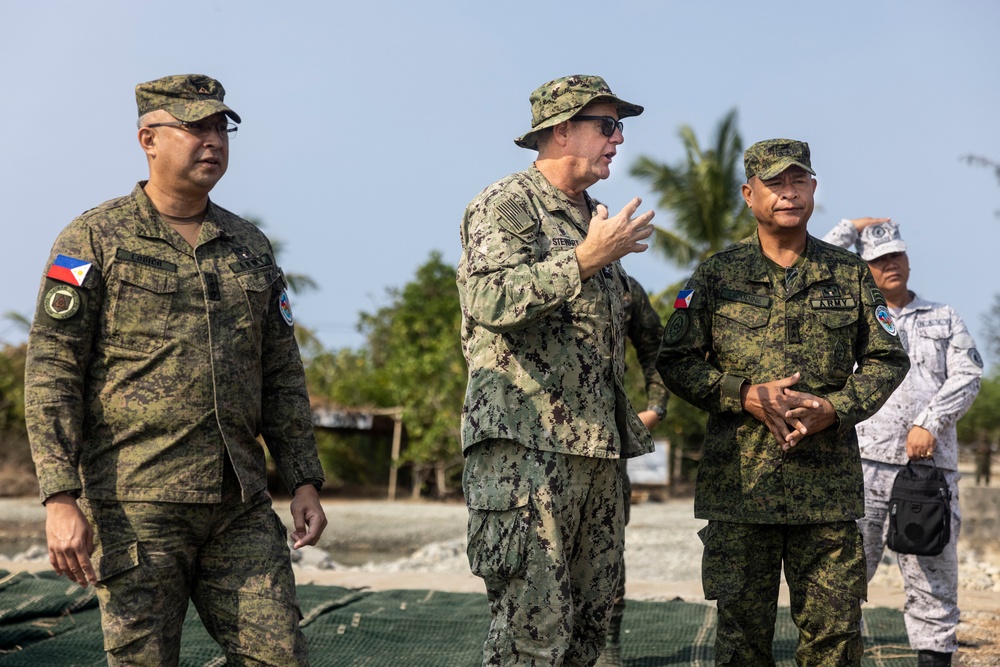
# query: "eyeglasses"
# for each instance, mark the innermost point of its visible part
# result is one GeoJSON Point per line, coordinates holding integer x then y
{"type": "Point", "coordinates": [202, 128]}
{"type": "Point", "coordinates": [608, 124]}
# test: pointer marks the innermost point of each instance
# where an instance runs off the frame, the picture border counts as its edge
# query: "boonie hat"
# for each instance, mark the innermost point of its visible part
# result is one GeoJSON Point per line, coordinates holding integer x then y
{"type": "Point", "coordinates": [767, 159]}
{"type": "Point", "coordinates": [563, 98]}
{"type": "Point", "coordinates": [877, 240]}
{"type": "Point", "coordinates": [187, 97]}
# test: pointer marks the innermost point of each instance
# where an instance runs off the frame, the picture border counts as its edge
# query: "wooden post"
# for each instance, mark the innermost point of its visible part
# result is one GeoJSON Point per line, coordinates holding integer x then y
{"type": "Point", "coordinates": [397, 436]}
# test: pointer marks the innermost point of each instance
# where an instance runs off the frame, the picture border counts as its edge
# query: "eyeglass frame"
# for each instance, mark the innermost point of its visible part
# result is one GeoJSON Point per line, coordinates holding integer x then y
{"type": "Point", "coordinates": [606, 122]}
{"type": "Point", "coordinates": [226, 129]}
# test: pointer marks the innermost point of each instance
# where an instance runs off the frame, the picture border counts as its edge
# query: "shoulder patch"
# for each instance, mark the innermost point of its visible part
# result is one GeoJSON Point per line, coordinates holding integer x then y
{"type": "Point", "coordinates": [677, 326]}
{"type": "Point", "coordinates": [885, 319]}
{"type": "Point", "coordinates": [61, 302]}
{"type": "Point", "coordinates": [876, 296]}
{"type": "Point", "coordinates": [974, 357]}
{"type": "Point", "coordinates": [285, 307]}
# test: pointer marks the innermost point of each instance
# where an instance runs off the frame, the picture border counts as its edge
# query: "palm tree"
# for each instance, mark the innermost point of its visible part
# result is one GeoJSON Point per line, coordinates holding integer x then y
{"type": "Point", "coordinates": [703, 194]}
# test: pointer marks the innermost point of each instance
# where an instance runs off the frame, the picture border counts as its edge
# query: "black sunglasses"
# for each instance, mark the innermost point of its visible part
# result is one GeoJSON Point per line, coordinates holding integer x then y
{"type": "Point", "coordinates": [608, 124]}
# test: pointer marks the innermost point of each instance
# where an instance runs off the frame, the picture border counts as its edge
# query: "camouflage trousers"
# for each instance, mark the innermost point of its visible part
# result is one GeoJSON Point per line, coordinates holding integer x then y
{"type": "Point", "coordinates": [231, 559]}
{"type": "Point", "coordinates": [545, 535]}
{"type": "Point", "coordinates": [825, 569]}
{"type": "Point", "coordinates": [931, 582]}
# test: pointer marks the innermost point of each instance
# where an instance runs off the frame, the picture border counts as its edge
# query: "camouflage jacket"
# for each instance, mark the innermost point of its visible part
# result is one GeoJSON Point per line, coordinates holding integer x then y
{"type": "Point", "coordinates": [645, 331]}
{"type": "Point", "coordinates": [545, 349]}
{"type": "Point", "coordinates": [147, 366]}
{"type": "Point", "coordinates": [739, 327]}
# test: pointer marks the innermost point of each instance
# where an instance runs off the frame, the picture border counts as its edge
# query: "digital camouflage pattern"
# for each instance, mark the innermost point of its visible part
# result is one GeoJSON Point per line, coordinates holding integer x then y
{"type": "Point", "coordinates": [767, 159]}
{"type": "Point", "coordinates": [187, 97]}
{"type": "Point", "coordinates": [174, 357]}
{"type": "Point", "coordinates": [738, 570]}
{"type": "Point", "coordinates": [144, 556]}
{"type": "Point", "coordinates": [645, 330]}
{"type": "Point", "coordinates": [745, 325]}
{"type": "Point", "coordinates": [546, 535]}
{"type": "Point", "coordinates": [545, 350]}
{"type": "Point", "coordinates": [545, 419]}
{"type": "Point", "coordinates": [562, 98]}
{"type": "Point", "coordinates": [931, 611]}
{"type": "Point", "coordinates": [943, 381]}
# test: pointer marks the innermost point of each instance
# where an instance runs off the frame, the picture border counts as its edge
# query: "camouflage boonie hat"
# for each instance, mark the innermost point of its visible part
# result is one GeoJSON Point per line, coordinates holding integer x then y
{"type": "Point", "coordinates": [877, 240]}
{"type": "Point", "coordinates": [187, 97]}
{"type": "Point", "coordinates": [767, 159]}
{"type": "Point", "coordinates": [561, 99]}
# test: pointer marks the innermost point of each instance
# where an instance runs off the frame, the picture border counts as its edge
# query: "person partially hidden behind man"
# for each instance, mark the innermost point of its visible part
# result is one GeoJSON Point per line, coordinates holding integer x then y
{"type": "Point", "coordinates": [916, 424]}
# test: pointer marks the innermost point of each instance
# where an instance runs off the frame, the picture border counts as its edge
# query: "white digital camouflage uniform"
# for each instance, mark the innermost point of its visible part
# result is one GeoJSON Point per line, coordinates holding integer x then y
{"type": "Point", "coordinates": [546, 419]}
{"type": "Point", "coordinates": [943, 380]}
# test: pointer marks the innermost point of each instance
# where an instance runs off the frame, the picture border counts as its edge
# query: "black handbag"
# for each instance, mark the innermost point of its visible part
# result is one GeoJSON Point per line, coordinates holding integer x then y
{"type": "Point", "coordinates": [919, 511]}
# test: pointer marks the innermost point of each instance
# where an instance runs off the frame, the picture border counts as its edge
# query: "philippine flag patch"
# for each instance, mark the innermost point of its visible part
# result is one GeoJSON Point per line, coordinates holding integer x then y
{"type": "Point", "coordinates": [69, 270]}
{"type": "Point", "coordinates": [683, 299]}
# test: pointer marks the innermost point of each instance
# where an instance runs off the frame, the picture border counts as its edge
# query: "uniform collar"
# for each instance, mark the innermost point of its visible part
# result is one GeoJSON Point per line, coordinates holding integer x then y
{"type": "Point", "coordinates": [810, 271]}
{"type": "Point", "coordinates": [148, 223]}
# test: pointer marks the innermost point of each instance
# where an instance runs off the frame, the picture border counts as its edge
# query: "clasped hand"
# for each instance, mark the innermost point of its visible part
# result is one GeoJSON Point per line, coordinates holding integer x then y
{"type": "Point", "coordinates": [790, 415]}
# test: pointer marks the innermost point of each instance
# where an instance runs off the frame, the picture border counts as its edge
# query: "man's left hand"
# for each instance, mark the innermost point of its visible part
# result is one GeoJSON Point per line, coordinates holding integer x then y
{"type": "Point", "coordinates": [308, 516]}
{"type": "Point", "coordinates": [814, 414]}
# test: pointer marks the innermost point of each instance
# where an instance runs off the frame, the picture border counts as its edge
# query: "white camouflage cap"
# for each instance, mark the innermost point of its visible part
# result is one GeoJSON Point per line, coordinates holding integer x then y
{"type": "Point", "coordinates": [877, 240]}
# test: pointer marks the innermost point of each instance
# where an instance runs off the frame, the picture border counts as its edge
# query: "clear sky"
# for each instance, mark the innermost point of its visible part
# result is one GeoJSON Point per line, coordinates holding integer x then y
{"type": "Point", "coordinates": [368, 126]}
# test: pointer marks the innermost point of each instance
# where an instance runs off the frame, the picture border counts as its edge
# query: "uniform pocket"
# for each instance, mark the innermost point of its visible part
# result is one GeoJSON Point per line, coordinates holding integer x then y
{"type": "Point", "coordinates": [258, 288]}
{"type": "Point", "coordinates": [141, 309]}
{"type": "Point", "coordinates": [738, 332]}
{"type": "Point", "coordinates": [499, 521]}
{"type": "Point", "coordinates": [837, 331]}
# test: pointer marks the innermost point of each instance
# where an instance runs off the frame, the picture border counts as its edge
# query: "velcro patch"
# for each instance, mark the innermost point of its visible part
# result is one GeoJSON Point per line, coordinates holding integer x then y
{"type": "Point", "coordinates": [744, 297]}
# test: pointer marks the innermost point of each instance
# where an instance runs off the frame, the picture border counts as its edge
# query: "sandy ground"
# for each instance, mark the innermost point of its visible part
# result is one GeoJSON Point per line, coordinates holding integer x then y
{"type": "Point", "coordinates": [421, 545]}
{"type": "Point", "coordinates": [407, 544]}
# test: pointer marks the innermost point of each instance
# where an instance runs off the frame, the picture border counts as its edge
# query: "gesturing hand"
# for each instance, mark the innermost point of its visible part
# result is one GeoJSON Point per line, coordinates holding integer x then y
{"type": "Point", "coordinates": [610, 239]}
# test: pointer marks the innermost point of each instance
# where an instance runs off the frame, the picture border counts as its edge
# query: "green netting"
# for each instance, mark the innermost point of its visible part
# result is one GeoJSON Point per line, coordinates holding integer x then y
{"type": "Point", "coordinates": [44, 621]}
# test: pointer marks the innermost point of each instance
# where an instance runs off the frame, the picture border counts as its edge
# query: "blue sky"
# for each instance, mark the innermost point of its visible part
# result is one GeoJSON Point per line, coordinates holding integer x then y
{"type": "Point", "coordinates": [369, 126]}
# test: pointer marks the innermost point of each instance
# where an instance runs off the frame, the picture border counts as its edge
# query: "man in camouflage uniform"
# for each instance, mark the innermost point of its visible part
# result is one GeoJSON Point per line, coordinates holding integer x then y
{"type": "Point", "coordinates": [787, 343]}
{"type": "Point", "coordinates": [161, 349]}
{"type": "Point", "coordinates": [916, 424]}
{"type": "Point", "coordinates": [642, 323]}
{"type": "Point", "coordinates": [546, 417]}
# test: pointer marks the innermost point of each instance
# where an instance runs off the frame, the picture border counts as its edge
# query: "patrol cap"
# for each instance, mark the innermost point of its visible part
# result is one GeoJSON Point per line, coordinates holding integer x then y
{"type": "Point", "coordinates": [877, 240]}
{"type": "Point", "coordinates": [187, 97]}
{"type": "Point", "coordinates": [563, 98]}
{"type": "Point", "coordinates": [767, 159]}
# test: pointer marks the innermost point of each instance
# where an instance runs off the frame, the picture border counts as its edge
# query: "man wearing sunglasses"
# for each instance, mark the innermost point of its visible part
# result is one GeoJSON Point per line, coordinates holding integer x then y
{"type": "Point", "coordinates": [787, 343]}
{"type": "Point", "coordinates": [161, 349]}
{"type": "Point", "coordinates": [546, 417]}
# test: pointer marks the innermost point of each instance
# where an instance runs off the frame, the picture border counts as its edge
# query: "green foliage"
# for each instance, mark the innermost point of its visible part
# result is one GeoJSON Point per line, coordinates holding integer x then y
{"type": "Point", "coordinates": [702, 192]}
{"type": "Point", "coordinates": [982, 422]}
{"type": "Point", "coordinates": [12, 389]}
{"type": "Point", "coordinates": [412, 358]}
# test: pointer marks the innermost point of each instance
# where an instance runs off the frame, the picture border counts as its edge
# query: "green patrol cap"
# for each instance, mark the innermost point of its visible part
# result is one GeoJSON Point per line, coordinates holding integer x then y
{"type": "Point", "coordinates": [561, 99]}
{"type": "Point", "coordinates": [767, 159]}
{"type": "Point", "coordinates": [187, 97]}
